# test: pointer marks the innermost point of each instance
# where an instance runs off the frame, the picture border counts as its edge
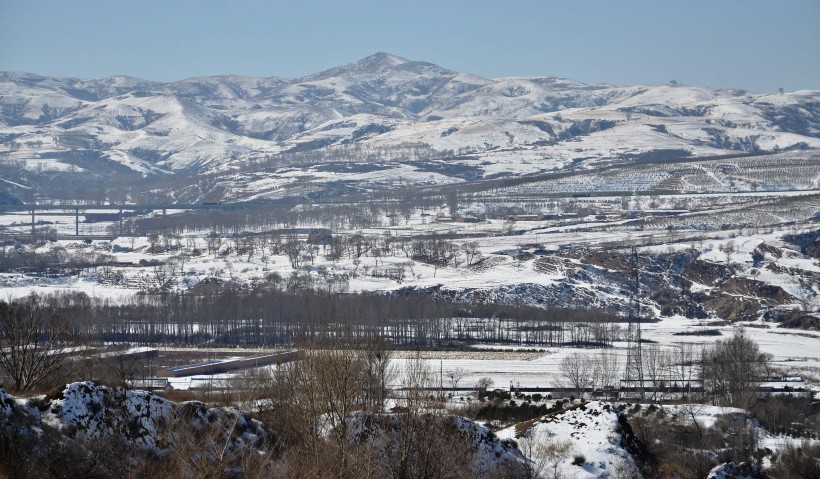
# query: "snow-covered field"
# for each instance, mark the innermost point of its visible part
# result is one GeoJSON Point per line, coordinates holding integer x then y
{"type": "Point", "coordinates": [794, 353]}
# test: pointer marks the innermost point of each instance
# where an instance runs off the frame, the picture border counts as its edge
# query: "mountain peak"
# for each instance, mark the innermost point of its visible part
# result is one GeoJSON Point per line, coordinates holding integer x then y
{"type": "Point", "coordinates": [374, 64]}
{"type": "Point", "coordinates": [381, 60]}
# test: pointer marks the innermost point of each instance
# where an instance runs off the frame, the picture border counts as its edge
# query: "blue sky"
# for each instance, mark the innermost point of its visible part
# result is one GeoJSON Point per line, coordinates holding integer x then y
{"type": "Point", "coordinates": [749, 44]}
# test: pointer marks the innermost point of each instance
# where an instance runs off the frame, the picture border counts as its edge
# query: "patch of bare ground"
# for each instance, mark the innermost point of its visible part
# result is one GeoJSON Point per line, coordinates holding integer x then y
{"type": "Point", "coordinates": [611, 261]}
{"type": "Point", "coordinates": [743, 299]}
{"type": "Point", "coordinates": [554, 265]}
{"type": "Point", "coordinates": [811, 276]}
{"type": "Point", "coordinates": [772, 250]}
{"type": "Point", "coordinates": [486, 264]}
{"type": "Point", "coordinates": [706, 273]}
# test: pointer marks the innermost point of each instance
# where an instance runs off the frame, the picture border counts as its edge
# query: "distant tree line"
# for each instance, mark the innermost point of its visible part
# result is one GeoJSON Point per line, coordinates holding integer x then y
{"type": "Point", "coordinates": [286, 312]}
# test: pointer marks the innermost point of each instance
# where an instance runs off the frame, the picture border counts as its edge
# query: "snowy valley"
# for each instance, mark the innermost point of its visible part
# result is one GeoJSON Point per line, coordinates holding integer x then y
{"type": "Point", "coordinates": [348, 273]}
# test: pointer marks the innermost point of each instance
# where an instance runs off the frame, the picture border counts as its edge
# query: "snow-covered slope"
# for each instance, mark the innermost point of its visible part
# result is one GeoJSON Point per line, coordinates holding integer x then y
{"type": "Point", "coordinates": [211, 125]}
{"type": "Point", "coordinates": [585, 441]}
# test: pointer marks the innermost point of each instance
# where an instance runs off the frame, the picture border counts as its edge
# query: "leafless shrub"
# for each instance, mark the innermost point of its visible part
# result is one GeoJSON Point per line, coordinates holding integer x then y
{"type": "Point", "coordinates": [33, 341]}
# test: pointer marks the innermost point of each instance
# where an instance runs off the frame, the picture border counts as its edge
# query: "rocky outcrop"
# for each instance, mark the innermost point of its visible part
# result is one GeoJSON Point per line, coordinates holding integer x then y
{"type": "Point", "coordinates": [85, 411]}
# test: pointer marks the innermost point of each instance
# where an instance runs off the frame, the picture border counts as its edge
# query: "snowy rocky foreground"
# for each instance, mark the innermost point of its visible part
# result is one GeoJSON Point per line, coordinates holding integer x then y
{"type": "Point", "coordinates": [85, 411]}
{"type": "Point", "coordinates": [581, 440]}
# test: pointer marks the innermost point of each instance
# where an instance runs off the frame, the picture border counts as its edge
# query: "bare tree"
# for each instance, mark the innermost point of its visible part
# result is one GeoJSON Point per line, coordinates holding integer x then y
{"type": "Point", "coordinates": [418, 378]}
{"type": "Point", "coordinates": [294, 249]}
{"type": "Point", "coordinates": [472, 252]}
{"type": "Point", "coordinates": [125, 367]}
{"type": "Point", "coordinates": [692, 410]}
{"type": "Point", "coordinates": [576, 369]}
{"type": "Point", "coordinates": [163, 274]}
{"type": "Point", "coordinates": [213, 240]}
{"type": "Point", "coordinates": [32, 341]}
{"type": "Point", "coordinates": [655, 363]}
{"type": "Point", "coordinates": [378, 373]}
{"type": "Point", "coordinates": [546, 453]}
{"type": "Point", "coordinates": [452, 203]}
{"type": "Point", "coordinates": [683, 365]}
{"type": "Point", "coordinates": [153, 240]}
{"type": "Point", "coordinates": [608, 369]}
{"type": "Point", "coordinates": [323, 388]}
{"type": "Point", "coordinates": [424, 443]}
{"type": "Point", "coordinates": [454, 376]}
{"type": "Point", "coordinates": [731, 369]}
{"type": "Point", "coordinates": [484, 383]}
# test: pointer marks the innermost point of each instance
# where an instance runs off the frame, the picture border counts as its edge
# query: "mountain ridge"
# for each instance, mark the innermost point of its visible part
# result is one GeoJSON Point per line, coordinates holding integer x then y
{"type": "Point", "coordinates": [509, 126]}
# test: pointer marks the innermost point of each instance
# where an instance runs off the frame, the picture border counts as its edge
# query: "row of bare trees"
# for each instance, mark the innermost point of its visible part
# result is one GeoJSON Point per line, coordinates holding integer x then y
{"type": "Point", "coordinates": [37, 330]}
{"type": "Point", "coordinates": [287, 310]}
{"type": "Point", "coordinates": [676, 367]}
{"type": "Point", "coordinates": [726, 372]}
{"type": "Point", "coordinates": [591, 372]}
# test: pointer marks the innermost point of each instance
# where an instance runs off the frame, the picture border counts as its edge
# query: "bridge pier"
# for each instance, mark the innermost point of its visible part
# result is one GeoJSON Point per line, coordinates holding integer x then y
{"type": "Point", "coordinates": [76, 221]}
{"type": "Point", "coordinates": [32, 221]}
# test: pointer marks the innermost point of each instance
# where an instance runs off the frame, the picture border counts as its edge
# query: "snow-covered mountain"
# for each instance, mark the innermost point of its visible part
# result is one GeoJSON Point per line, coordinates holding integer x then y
{"type": "Point", "coordinates": [373, 108]}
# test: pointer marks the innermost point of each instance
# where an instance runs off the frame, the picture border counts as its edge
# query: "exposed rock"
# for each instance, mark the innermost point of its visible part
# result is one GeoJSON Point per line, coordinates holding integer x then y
{"type": "Point", "coordinates": [730, 470]}
{"type": "Point", "coordinates": [84, 411]}
{"type": "Point", "coordinates": [474, 445]}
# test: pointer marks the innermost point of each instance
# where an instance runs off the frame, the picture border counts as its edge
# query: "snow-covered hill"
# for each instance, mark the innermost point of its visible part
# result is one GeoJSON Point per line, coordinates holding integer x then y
{"type": "Point", "coordinates": [505, 126]}
{"type": "Point", "coordinates": [591, 440]}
